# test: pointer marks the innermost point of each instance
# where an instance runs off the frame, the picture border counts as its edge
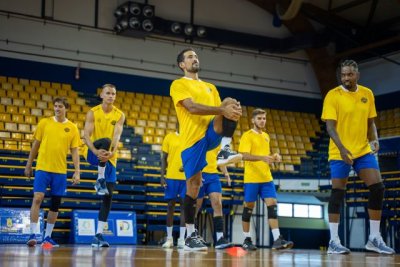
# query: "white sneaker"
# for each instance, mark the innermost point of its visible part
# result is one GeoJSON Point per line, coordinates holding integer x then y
{"type": "Point", "coordinates": [169, 243]}
{"type": "Point", "coordinates": [378, 245]}
{"type": "Point", "coordinates": [181, 243]}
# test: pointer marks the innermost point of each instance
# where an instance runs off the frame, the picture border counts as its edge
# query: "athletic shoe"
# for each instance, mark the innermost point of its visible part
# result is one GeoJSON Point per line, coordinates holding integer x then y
{"type": "Point", "coordinates": [199, 237]}
{"type": "Point", "coordinates": [181, 243]}
{"type": "Point", "coordinates": [32, 241]}
{"type": "Point", "coordinates": [378, 245]}
{"type": "Point", "coordinates": [98, 241]}
{"type": "Point", "coordinates": [101, 187]}
{"type": "Point", "coordinates": [227, 156]}
{"type": "Point", "coordinates": [48, 239]}
{"type": "Point", "coordinates": [336, 248]}
{"type": "Point", "coordinates": [248, 244]}
{"type": "Point", "coordinates": [193, 243]}
{"type": "Point", "coordinates": [169, 243]}
{"type": "Point", "coordinates": [281, 243]}
{"type": "Point", "coordinates": [223, 243]}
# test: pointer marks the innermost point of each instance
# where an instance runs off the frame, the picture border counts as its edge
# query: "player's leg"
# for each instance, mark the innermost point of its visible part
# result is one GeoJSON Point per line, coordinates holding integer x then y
{"type": "Point", "coordinates": [170, 195]}
{"type": "Point", "coordinates": [339, 176]}
{"type": "Point", "coordinates": [104, 144]}
{"type": "Point", "coordinates": [368, 170]}
{"type": "Point", "coordinates": [250, 197]}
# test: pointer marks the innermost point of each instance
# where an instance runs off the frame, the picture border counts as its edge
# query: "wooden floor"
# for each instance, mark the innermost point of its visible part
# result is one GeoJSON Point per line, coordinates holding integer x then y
{"type": "Point", "coordinates": [124, 256]}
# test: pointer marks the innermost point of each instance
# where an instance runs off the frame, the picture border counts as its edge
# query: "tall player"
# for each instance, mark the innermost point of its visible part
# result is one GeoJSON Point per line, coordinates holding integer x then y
{"type": "Point", "coordinates": [53, 138]}
{"type": "Point", "coordinates": [103, 129]}
{"type": "Point", "coordinates": [349, 112]}
{"type": "Point", "coordinates": [203, 120]}
{"type": "Point", "coordinates": [258, 180]}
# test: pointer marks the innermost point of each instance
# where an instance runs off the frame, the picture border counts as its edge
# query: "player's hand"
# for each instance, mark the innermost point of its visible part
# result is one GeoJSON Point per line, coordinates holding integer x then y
{"type": "Point", "coordinates": [374, 146]}
{"type": "Point", "coordinates": [231, 109]}
{"type": "Point", "coordinates": [346, 155]}
{"type": "Point", "coordinates": [76, 178]}
{"type": "Point", "coordinates": [277, 157]}
{"type": "Point", "coordinates": [228, 179]}
{"type": "Point", "coordinates": [163, 182]}
{"type": "Point", "coordinates": [28, 171]}
{"type": "Point", "coordinates": [104, 155]}
{"type": "Point", "coordinates": [268, 159]}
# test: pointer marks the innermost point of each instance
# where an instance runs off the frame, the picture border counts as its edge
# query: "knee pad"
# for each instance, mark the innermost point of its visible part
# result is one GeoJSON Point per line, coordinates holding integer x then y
{"type": "Point", "coordinates": [336, 200]}
{"type": "Point", "coordinates": [55, 203]}
{"type": "Point", "coordinates": [103, 143]}
{"type": "Point", "coordinates": [272, 212]}
{"type": "Point", "coordinates": [228, 127]}
{"type": "Point", "coordinates": [376, 194]}
{"type": "Point", "coordinates": [246, 214]}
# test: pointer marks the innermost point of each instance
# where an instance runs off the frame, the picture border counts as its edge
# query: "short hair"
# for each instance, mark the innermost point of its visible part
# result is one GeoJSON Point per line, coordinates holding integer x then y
{"type": "Point", "coordinates": [181, 56]}
{"type": "Point", "coordinates": [257, 111]}
{"type": "Point", "coordinates": [108, 85]}
{"type": "Point", "coordinates": [62, 100]}
{"type": "Point", "coordinates": [349, 63]}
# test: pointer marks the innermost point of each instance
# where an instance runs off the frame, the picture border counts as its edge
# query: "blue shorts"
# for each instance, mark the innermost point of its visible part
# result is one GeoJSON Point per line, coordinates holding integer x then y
{"type": "Point", "coordinates": [265, 190]}
{"type": "Point", "coordinates": [340, 169]}
{"type": "Point", "coordinates": [56, 181]}
{"type": "Point", "coordinates": [211, 184]}
{"type": "Point", "coordinates": [110, 172]}
{"type": "Point", "coordinates": [175, 189]}
{"type": "Point", "coordinates": [194, 157]}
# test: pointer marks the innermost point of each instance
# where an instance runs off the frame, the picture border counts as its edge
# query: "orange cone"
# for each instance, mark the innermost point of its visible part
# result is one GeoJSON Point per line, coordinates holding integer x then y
{"type": "Point", "coordinates": [47, 245]}
{"type": "Point", "coordinates": [236, 251]}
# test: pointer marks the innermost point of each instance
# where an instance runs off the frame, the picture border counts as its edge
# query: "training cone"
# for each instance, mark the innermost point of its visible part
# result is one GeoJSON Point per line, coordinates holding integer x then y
{"type": "Point", "coordinates": [236, 251]}
{"type": "Point", "coordinates": [47, 245]}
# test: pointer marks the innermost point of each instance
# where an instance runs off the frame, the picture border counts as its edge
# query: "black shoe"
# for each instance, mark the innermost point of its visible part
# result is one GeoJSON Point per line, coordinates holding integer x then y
{"type": "Point", "coordinates": [98, 241]}
{"type": "Point", "coordinates": [281, 243]}
{"type": "Point", "coordinates": [101, 187]}
{"type": "Point", "coordinates": [248, 244]}
{"type": "Point", "coordinates": [193, 243]}
{"type": "Point", "coordinates": [226, 156]}
{"type": "Point", "coordinates": [223, 243]}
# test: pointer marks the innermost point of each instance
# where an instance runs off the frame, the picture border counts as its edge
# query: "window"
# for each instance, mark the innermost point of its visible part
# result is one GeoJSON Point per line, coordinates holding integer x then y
{"type": "Point", "coordinates": [300, 210]}
{"type": "Point", "coordinates": [285, 209]}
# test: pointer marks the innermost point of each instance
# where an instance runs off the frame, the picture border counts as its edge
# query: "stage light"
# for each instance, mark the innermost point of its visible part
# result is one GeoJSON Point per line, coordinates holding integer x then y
{"type": "Point", "coordinates": [134, 23]}
{"type": "Point", "coordinates": [148, 11]}
{"type": "Point", "coordinates": [176, 28]}
{"type": "Point", "coordinates": [147, 25]}
{"type": "Point", "coordinates": [201, 32]}
{"type": "Point", "coordinates": [134, 9]}
{"type": "Point", "coordinates": [122, 10]}
{"type": "Point", "coordinates": [189, 29]}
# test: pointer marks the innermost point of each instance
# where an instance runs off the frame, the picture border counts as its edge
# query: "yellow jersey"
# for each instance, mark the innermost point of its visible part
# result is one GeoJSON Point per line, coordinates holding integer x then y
{"type": "Point", "coordinates": [351, 111]}
{"type": "Point", "coordinates": [104, 124]}
{"type": "Point", "coordinates": [172, 146]}
{"type": "Point", "coordinates": [56, 138]}
{"type": "Point", "coordinates": [211, 158]}
{"type": "Point", "coordinates": [193, 127]}
{"type": "Point", "coordinates": [256, 144]}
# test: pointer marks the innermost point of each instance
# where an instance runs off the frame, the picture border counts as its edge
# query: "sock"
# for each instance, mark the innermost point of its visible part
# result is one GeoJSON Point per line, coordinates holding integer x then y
{"type": "Point", "coordinates": [169, 232]}
{"type": "Point", "coordinates": [219, 235]}
{"type": "Point", "coordinates": [334, 227]}
{"type": "Point", "coordinates": [34, 227]}
{"type": "Point", "coordinates": [182, 231]}
{"type": "Point", "coordinates": [190, 229]}
{"type": "Point", "coordinates": [246, 234]}
{"type": "Point", "coordinates": [276, 233]}
{"type": "Point", "coordinates": [101, 171]}
{"type": "Point", "coordinates": [374, 228]}
{"type": "Point", "coordinates": [226, 141]}
{"type": "Point", "coordinates": [100, 227]}
{"type": "Point", "coordinates": [49, 229]}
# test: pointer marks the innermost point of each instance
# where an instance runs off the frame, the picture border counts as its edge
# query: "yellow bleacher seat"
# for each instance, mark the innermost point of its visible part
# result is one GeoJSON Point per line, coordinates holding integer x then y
{"type": "Point", "coordinates": [47, 98]}
{"type": "Point", "coordinates": [136, 108]}
{"type": "Point", "coordinates": [66, 86]}
{"type": "Point", "coordinates": [16, 135]}
{"type": "Point", "coordinates": [45, 84]}
{"type": "Point", "coordinates": [151, 124]}
{"type": "Point", "coordinates": [137, 101]}
{"type": "Point", "coordinates": [5, 117]}
{"type": "Point", "coordinates": [18, 102]}
{"type": "Point", "coordinates": [1, 126]}
{"type": "Point", "coordinates": [72, 94]}
{"type": "Point", "coordinates": [79, 124]}
{"type": "Point", "coordinates": [6, 86]}
{"type": "Point", "coordinates": [172, 111]}
{"type": "Point", "coordinates": [141, 123]}
{"type": "Point", "coordinates": [12, 94]}
{"type": "Point", "coordinates": [139, 130]}
{"type": "Point", "coordinates": [41, 90]}
{"type": "Point", "coordinates": [6, 101]}
{"type": "Point", "coordinates": [36, 111]}
{"type": "Point", "coordinates": [163, 117]}
{"type": "Point", "coordinates": [30, 89]}
{"type": "Point", "coordinates": [274, 143]}
{"type": "Point", "coordinates": [10, 145]}
{"type": "Point", "coordinates": [12, 109]}
{"type": "Point", "coordinates": [3, 79]}
{"type": "Point", "coordinates": [3, 93]}
{"type": "Point", "coordinates": [156, 104]}
{"type": "Point", "coordinates": [34, 83]}
{"type": "Point", "coordinates": [173, 119]}
{"type": "Point", "coordinates": [308, 147]}
{"type": "Point", "coordinates": [171, 125]}
{"type": "Point", "coordinates": [283, 151]}
{"type": "Point", "coordinates": [147, 102]}
{"type": "Point", "coordinates": [18, 87]}
{"type": "Point", "coordinates": [161, 124]}
{"type": "Point", "coordinates": [165, 105]}
{"type": "Point", "coordinates": [149, 131]}
{"type": "Point", "coordinates": [148, 139]}
{"type": "Point", "coordinates": [125, 107]}
{"type": "Point", "coordinates": [30, 119]}
{"type": "Point", "coordinates": [128, 100]}
{"type": "Point", "coordinates": [56, 85]}
{"type": "Point", "coordinates": [11, 126]}
{"type": "Point", "coordinates": [2, 109]}
{"type": "Point", "coordinates": [153, 116]}
{"type": "Point", "coordinates": [139, 95]}
{"type": "Point", "coordinates": [143, 116]}
{"type": "Point", "coordinates": [81, 116]}
{"type": "Point", "coordinates": [5, 135]}
{"type": "Point", "coordinates": [12, 80]}
{"type": "Point", "coordinates": [133, 114]}
{"type": "Point", "coordinates": [18, 118]}
{"type": "Point", "coordinates": [292, 151]}
{"type": "Point", "coordinates": [291, 144]}
{"type": "Point", "coordinates": [299, 145]}
{"type": "Point", "coordinates": [23, 95]}
{"type": "Point", "coordinates": [42, 104]}
{"type": "Point", "coordinates": [35, 96]}
{"type": "Point", "coordinates": [23, 127]}
{"type": "Point", "coordinates": [158, 139]}
{"type": "Point", "coordinates": [85, 109]}
{"type": "Point", "coordinates": [131, 122]}
{"type": "Point", "coordinates": [80, 101]}
{"type": "Point", "coordinates": [62, 93]}
{"type": "Point", "coordinates": [48, 112]}
{"type": "Point", "coordinates": [160, 132]}
{"type": "Point", "coordinates": [76, 108]}
{"type": "Point", "coordinates": [130, 95]}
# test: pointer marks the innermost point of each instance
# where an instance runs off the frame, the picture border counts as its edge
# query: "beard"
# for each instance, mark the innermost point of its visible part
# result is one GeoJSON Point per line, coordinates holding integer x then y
{"type": "Point", "coordinates": [260, 127]}
{"type": "Point", "coordinates": [193, 70]}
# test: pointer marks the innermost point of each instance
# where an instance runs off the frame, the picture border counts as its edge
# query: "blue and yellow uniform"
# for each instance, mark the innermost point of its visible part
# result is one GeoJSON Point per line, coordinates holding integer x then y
{"type": "Point", "coordinates": [257, 174]}
{"type": "Point", "coordinates": [211, 180]}
{"type": "Point", "coordinates": [104, 124]}
{"type": "Point", "coordinates": [175, 179]}
{"type": "Point", "coordinates": [351, 111]}
{"type": "Point", "coordinates": [197, 132]}
{"type": "Point", "coordinates": [56, 139]}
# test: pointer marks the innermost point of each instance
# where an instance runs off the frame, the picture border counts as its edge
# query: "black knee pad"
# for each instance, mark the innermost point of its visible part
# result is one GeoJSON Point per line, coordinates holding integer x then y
{"type": "Point", "coordinates": [189, 208]}
{"type": "Point", "coordinates": [246, 214]}
{"type": "Point", "coordinates": [55, 203]}
{"type": "Point", "coordinates": [272, 212]}
{"type": "Point", "coordinates": [336, 200]}
{"type": "Point", "coordinates": [228, 127]}
{"type": "Point", "coordinates": [376, 194]}
{"type": "Point", "coordinates": [103, 143]}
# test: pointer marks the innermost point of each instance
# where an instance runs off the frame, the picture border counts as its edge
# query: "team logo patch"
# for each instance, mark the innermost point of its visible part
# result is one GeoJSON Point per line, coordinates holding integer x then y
{"type": "Point", "coordinates": [66, 130]}
{"type": "Point", "coordinates": [209, 90]}
{"type": "Point", "coordinates": [113, 122]}
{"type": "Point", "coordinates": [364, 100]}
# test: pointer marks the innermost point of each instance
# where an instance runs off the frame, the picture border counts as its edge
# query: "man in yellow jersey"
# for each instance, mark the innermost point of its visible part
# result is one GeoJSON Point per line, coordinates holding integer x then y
{"type": "Point", "coordinates": [349, 112]}
{"type": "Point", "coordinates": [174, 184]}
{"type": "Point", "coordinates": [203, 120]}
{"type": "Point", "coordinates": [53, 137]}
{"type": "Point", "coordinates": [103, 129]}
{"type": "Point", "coordinates": [258, 181]}
{"type": "Point", "coordinates": [212, 187]}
